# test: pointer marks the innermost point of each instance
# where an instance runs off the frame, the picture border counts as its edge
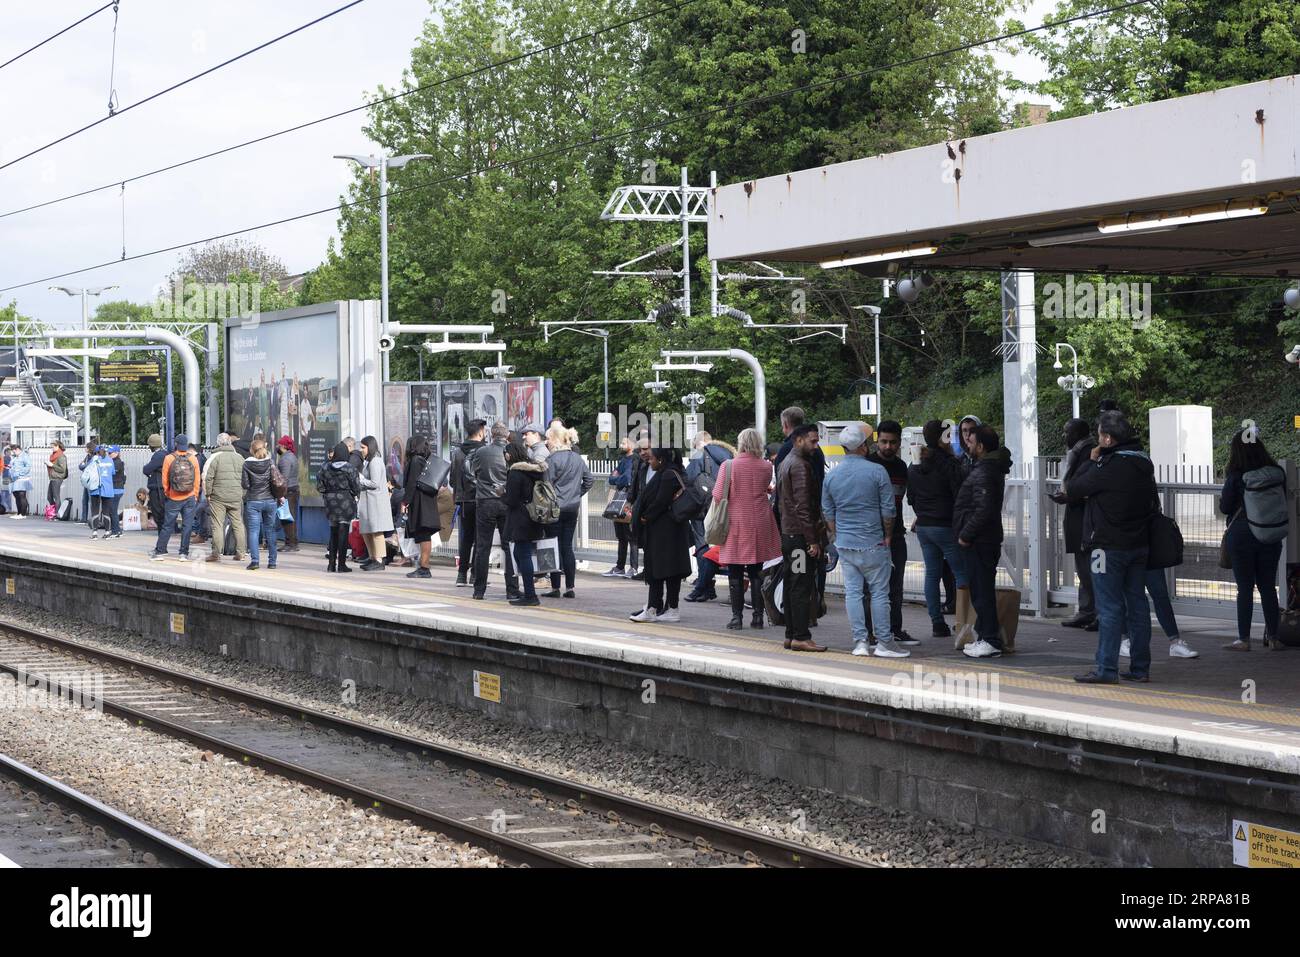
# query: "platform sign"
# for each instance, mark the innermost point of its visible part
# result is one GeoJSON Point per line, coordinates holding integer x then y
{"type": "Point", "coordinates": [177, 623]}
{"type": "Point", "coordinates": [113, 373]}
{"type": "Point", "coordinates": [1255, 845]}
{"type": "Point", "coordinates": [487, 687]}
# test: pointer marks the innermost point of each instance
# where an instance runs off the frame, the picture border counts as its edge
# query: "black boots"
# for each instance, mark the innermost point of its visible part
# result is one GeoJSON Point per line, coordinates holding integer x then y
{"type": "Point", "coordinates": [736, 587]}
{"type": "Point", "coordinates": [756, 599]}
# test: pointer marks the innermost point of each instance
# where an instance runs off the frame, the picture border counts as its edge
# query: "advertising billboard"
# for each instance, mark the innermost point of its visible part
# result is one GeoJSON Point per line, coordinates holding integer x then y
{"type": "Point", "coordinates": [455, 413]}
{"type": "Point", "coordinates": [282, 379]}
{"type": "Point", "coordinates": [397, 426]}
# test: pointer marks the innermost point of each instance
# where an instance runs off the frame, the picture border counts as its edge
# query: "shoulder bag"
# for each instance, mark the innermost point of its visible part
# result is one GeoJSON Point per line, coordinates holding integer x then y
{"type": "Point", "coordinates": [716, 521]}
{"type": "Point", "coordinates": [1225, 557]}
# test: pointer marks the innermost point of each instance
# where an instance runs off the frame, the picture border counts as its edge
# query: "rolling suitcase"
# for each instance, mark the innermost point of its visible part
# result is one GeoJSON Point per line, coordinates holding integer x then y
{"type": "Point", "coordinates": [65, 511]}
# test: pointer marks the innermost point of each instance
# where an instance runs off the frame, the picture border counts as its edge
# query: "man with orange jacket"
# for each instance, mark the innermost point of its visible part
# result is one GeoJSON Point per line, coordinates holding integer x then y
{"type": "Point", "coordinates": [181, 480]}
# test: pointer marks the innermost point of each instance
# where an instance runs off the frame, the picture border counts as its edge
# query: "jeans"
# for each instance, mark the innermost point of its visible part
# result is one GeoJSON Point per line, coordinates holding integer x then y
{"type": "Point", "coordinates": [938, 543]}
{"type": "Point", "coordinates": [800, 571]}
{"type": "Point", "coordinates": [491, 516]}
{"type": "Point", "coordinates": [465, 543]}
{"type": "Point", "coordinates": [1254, 566]}
{"type": "Point", "coordinates": [1121, 587]}
{"type": "Point", "coordinates": [870, 567]}
{"type": "Point", "coordinates": [706, 570]}
{"type": "Point", "coordinates": [260, 516]}
{"type": "Point", "coordinates": [524, 552]}
{"type": "Point", "coordinates": [185, 509]}
{"type": "Point", "coordinates": [1158, 589]}
{"type": "Point", "coordinates": [898, 557]}
{"type": "Point", "coordinates": [564, 532]}
{"type": "Point", "coordinates": [982, 569]}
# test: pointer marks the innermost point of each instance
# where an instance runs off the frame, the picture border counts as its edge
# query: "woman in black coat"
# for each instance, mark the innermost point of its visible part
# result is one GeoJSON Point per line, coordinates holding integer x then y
{"type": "Point", "coordinates": [666, 541]}
{"type": "Point", "coordinates": [1079, 443]}
{"type": "Point", "coordinates": [522, 532]}
{"type": "Point", "coordinates": [339, 486]}
{"type": "Point", "coordinates": [421, 507]}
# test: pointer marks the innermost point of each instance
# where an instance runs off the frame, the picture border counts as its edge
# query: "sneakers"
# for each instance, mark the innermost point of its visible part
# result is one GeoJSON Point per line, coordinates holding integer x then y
{"type": "Point", "coordinates": [668, 615]}
{"type": "Point", "coordinates": [616, 572]}
{"type": "Point", "coordinates": [461, 582]}
{"type": "Point", "coordinates": [645, 614]}
{"type": "Point", "coordinates": [252, 567]}
{"type": "Point", "coordinates": [1124, 649]}
{"type": "Point", "coordinates": [185, 557]}
{"type": "Point", "coordinates": [94, 535]}
{"type": "Point", "coordinates": [1129, 676]}
{"type": "Point", "coordinates": [1237, 645]}
{"type": "Point", "coordinates": [635, 575]}
{"type": "Point", "coordinates": [702, 596]}
{"type": "Point", "coordinates": [570, 594]}
{"type": "Point", "coordinates": [524, 602]}
{"type": "Point", "coordinates": [553, 593]}
{"type": "Point", "coordinates": [158, 557]}
{"type": "Point", "coordinates": [981, 649]}
{"type": "Point", "coordinates": [420, 573]}
{"type": "Point", "coordinates": [940, 630]}
{"type": "Point", "coordinates": [1092, 678]}
{"type": "Point", "coordinates": [1181, 649]}
{"type": "Point", "coordinates": [888, 649]}
{"type": "Point", "coordinates": [903, 638]}
{"type": "Point", "coordinates": [116, 535]}
{"type": "Point", "coordinates": [1078, 621]}
{"type": "Point", "coordinates": [861, 649]}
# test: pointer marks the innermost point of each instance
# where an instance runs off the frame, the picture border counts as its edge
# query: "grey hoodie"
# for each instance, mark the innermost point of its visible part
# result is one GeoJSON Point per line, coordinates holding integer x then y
{"type": "Point", "coordinates": [571, 478]}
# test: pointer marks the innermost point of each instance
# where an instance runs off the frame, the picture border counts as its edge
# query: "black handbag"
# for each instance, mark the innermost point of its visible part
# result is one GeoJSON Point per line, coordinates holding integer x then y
{"type": "Point", "coordinates": [687, 502]}
{"type": "Point", "coordinates": [434, 475]}
{"type": "Point", "coordinates": [616, 507]}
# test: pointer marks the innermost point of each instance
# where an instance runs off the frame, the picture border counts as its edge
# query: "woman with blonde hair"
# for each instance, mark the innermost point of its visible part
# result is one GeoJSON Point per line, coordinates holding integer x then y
{"type": "Point", "coordinates": [752, 536]}
{"type": "Point", "coordinates": [572, 480]}
{"type": "Point", "coordinates": [259, 505]}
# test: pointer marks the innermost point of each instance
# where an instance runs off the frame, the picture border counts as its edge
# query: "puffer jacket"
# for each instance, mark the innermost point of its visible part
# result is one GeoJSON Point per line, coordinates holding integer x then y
{"type": "Point", "coordinates": [255, 479]}
{"type": "Point", "coordinates": [339, 486]}
{"type": "Point", "coordinates": [223, 477]}
{"type": "Point", "coordinates": [932, 486]}
{"type": "Point", "coordinates": [977, 511]}
{"type": "Point", "coordinates": [571, 477]}
{"type": "Point", "coordinates": [1076, 460]}
{"type": "Point", "coordinates": [1119, 495]}
{"type": "Point", "coordinates": [522, 478]}
{"type": "Point", "coordinates": [488, 466]}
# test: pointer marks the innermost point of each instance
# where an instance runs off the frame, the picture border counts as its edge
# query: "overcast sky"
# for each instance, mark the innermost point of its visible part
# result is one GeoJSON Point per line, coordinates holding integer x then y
{"type": "Point", "coordinates": [64, 85]}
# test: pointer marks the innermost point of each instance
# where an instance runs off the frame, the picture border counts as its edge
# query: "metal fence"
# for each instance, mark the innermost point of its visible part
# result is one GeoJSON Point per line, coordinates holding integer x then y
{"type": "Point", "coordinates": [133, 457]}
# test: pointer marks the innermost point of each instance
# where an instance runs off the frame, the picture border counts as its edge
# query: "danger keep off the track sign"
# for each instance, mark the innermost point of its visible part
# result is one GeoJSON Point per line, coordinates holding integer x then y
{"type": "Point", "coordinates": [1254, 845]}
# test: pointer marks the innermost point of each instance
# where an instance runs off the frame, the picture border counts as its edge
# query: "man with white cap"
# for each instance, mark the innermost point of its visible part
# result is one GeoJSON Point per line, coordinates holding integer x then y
{"type": "Point", "coordinates": [858, 504]}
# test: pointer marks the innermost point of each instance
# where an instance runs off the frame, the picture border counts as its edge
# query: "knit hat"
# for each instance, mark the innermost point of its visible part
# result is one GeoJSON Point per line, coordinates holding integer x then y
{"type": "Point", "coordinates": [155, 441]}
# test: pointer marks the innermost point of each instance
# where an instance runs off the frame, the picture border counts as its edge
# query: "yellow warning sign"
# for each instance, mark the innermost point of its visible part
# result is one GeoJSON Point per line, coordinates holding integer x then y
{"type": "Point", "coordinates": [1254, 845]}
{"type": "Point", "coordinates": [9, 586]}
{"type": "Point", "coordinates": [178, 623]}
{"type": "Point", "coordinates": [487, 687]}
{"type": "Point", "coordinates": [1297, 421]}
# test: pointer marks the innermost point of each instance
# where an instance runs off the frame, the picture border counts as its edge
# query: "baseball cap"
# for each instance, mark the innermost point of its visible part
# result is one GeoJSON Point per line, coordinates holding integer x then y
{"type": "Point", "coordinates": [852, 436]}
{"type": "Point", "coordinates": [115, 448]}
{"type": "Point", "coordinates": [532, 428]}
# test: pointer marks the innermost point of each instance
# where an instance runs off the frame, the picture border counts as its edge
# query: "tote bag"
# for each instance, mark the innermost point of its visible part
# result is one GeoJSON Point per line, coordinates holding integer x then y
{"type": "Point", "coordinates": [716, 522]}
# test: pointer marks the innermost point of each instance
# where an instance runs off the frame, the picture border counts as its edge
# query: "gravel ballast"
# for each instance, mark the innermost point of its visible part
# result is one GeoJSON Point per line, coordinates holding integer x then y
{"type": "Point", "coordinates": [240, 815]}
{"type": "Point", "coordinates": [817, 818]}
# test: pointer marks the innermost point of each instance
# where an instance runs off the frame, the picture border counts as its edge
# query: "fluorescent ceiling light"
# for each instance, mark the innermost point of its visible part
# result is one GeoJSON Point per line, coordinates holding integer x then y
{"type": "Point", "coordinates": [1233, 209]}
{"type": "Point", "coordinates": [1085, 235]}
{"type": "Point", "coordinates": [69, 353]}
{"type": "Point", "coordinates": [881, 256]}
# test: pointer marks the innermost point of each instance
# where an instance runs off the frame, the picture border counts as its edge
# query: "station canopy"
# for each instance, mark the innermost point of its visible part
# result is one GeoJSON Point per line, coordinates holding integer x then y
{"type": "Point", "coordinates": [1198, 185]}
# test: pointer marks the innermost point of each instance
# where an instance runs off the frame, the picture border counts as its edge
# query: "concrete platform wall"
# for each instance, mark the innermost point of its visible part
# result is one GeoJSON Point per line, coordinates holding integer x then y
{"type": "Point", "coordinates": [953, 770]}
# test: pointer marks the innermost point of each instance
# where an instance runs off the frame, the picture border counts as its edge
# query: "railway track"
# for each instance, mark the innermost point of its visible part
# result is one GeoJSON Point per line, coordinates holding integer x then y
{"type": "Point", "coordinates": [45, 823]}
{"type": "Point", "coordinates": [523, 816]}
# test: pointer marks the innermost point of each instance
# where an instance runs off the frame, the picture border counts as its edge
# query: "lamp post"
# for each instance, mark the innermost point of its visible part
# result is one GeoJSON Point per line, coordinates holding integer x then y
{"type": "Point", "coordinates": [874, 312]}
{"type": "Point", "coordinates": [1075, 384]}
{"type": "Point", "coordinates": [383, 164]}
{"type": "Point", "coordinates": [85, 343]}
{"type": "Point", "coordinates": [603, 336]}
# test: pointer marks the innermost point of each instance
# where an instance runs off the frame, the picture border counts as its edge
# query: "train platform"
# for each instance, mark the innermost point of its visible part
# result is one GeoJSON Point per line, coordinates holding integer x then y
{"type": "Point", "coordinates": [1233, 709]}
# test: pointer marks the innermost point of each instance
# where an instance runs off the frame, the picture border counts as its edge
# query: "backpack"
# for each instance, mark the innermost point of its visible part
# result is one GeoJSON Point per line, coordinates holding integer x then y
{"type": "Point", "coordinates": [1265, 504]}
{"type": "Point", "coordinates": [544, 509]}
{"type": "Point", "coordinates": [180, 476]}
{"type": "Point", "coordinates": [90, 477]}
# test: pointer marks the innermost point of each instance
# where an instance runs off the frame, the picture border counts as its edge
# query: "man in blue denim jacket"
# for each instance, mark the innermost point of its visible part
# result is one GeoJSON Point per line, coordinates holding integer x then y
{"type": "Point", "coordinates": [858, 504]}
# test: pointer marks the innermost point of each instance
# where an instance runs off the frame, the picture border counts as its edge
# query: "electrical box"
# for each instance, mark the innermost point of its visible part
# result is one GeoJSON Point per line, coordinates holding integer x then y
{"type": "Point", "coordinates": [1182, 436]}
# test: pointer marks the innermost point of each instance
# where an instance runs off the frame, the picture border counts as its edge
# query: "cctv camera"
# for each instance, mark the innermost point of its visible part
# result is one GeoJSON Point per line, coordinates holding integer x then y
{"type": "Point", "coordinates": [386, 343]}
{"type": "Point", "coordinates": [658, 388]}
{"type": "Point", "coordinates": [870, 310]}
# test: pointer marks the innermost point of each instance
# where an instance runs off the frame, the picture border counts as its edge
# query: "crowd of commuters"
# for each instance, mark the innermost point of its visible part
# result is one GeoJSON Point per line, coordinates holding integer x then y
{"type": "Point", "coordinates": [789, 516]}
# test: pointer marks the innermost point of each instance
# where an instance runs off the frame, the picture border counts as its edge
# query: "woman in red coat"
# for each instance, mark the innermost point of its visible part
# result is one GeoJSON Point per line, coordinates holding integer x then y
{"type": "Point", "coordinates": [752, 536]}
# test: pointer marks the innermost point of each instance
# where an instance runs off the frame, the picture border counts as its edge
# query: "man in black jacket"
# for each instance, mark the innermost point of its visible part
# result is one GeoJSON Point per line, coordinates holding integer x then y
{"type": "Point", "coordinates": [932, 486]}
{"type": "Point", "coordinates": [1118, 489]}
{"type": "Point", "coordinates": [488, 465]}
{"type": "Point", "coordinates": [791, 419]}
{"type": "Point", "coordinates": [1079, 444]}
{"type": "Point", "coordinates": [153, 472]}
{"type": "Point", "coordinates": [977, 523]}
{"type": "Point", "coordinates": [641, 475]}
{"type": "Point", "coordinates": [463, 487]}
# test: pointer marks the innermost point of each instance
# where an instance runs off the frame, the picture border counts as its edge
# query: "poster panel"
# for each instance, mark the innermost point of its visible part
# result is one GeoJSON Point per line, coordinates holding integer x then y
{"type": "Point", "coordinates": [282, 379]}
{"type": "Point", "coordinates": [397, 427]}
{"type": "Point", "coordinates": [455, 412]}
{"type": "Point", "coordinates": [425, 419]}
{"type": "Point", "coordinates": [524, 404]}
{"type": "Point", "coordinates": [489, 400]}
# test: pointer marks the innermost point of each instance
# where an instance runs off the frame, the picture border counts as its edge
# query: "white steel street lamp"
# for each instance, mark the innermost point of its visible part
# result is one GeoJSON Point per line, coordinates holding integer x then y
{"type": "Point", "coordinates": [86, 404]}
{"type": "Point", "coordinates": [383, 164]}
{"type": "Point", "coordinates": [1074, 384]}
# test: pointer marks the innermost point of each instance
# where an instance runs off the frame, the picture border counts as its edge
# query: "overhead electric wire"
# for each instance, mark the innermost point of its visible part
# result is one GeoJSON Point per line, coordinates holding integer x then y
{"type": "Point", "coordinates": [356, 109]}
{"type": "Point", "coordinates": [55, 36]}
{"type": "Point", "coordinates": [592, 141]}
{"type": "Point", "coordinates": [177, 86]}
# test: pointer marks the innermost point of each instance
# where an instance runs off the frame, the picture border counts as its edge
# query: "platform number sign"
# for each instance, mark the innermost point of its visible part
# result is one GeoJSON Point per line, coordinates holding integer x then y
{"type": "Point", "coordinates": [9, 586]}
{"type": "Point", "coordinates": [177, 623]}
